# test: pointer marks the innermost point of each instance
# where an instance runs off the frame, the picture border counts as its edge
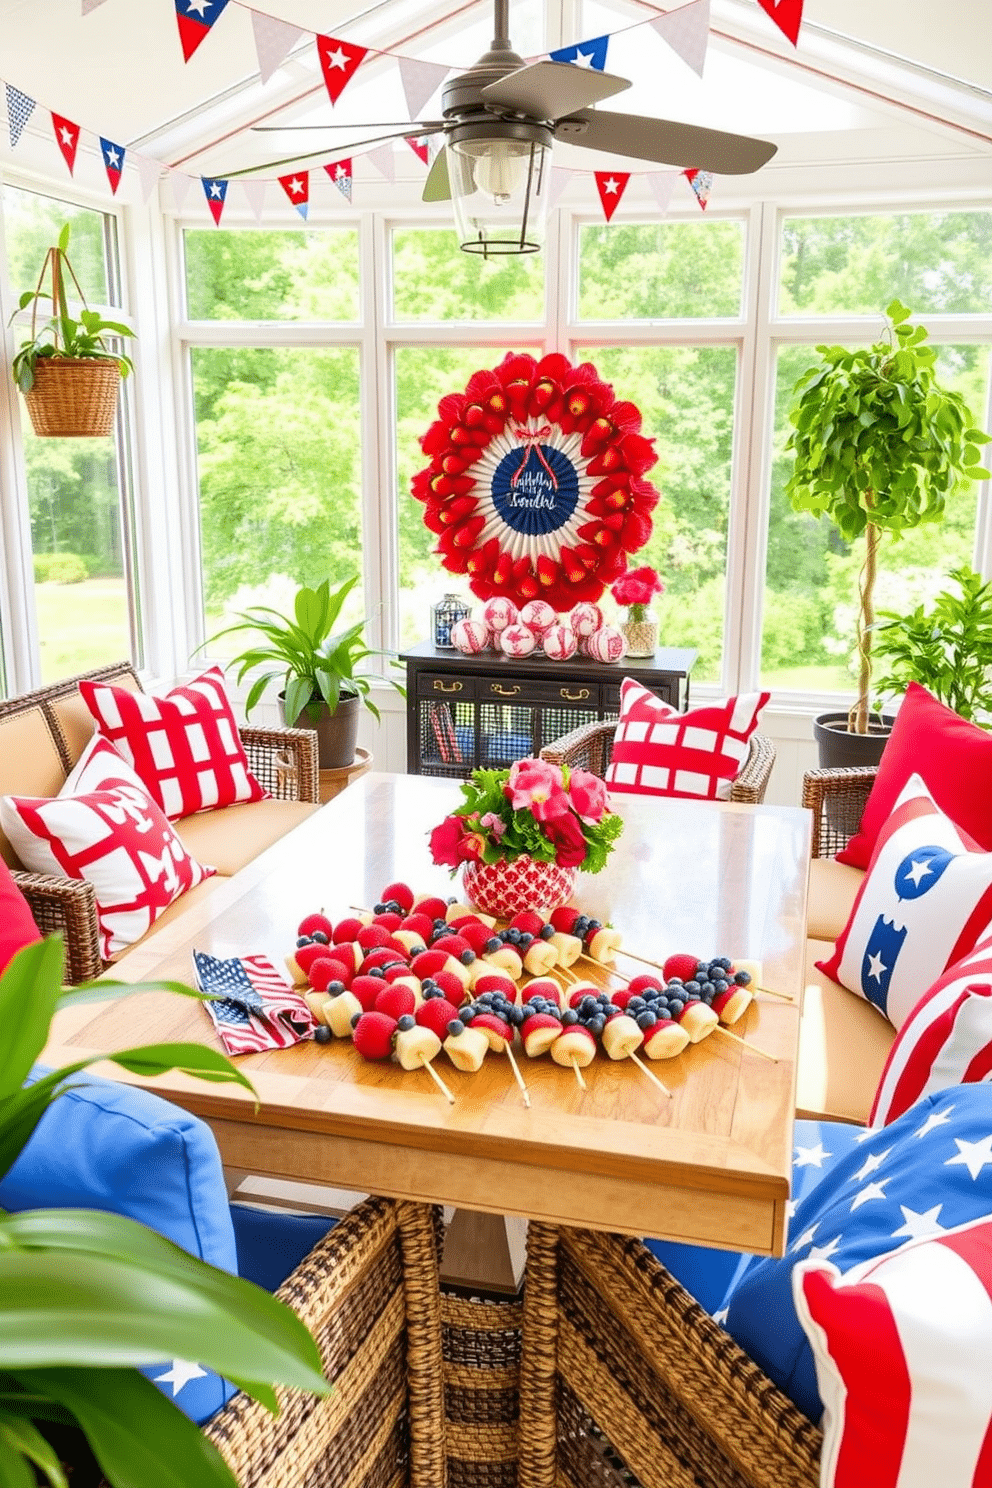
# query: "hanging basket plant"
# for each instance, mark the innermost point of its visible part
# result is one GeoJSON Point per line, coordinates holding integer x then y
{"type": "Point", "coordinates": [535, 486]}
{"type": "Point", "coordinates": [69, 375]}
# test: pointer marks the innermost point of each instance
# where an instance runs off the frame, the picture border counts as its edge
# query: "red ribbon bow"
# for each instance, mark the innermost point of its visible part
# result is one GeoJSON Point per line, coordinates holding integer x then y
{"type": "Point", "coordinates": [533, 442]}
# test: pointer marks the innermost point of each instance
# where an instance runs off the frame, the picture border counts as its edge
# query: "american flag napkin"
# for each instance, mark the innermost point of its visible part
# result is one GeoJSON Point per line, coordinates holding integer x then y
{"type": "Point", "coordinates": [254, 1006]}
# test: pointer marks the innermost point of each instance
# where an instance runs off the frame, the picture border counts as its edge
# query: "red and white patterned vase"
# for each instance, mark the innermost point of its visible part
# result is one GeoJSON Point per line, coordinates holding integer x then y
{"type": "Point", "coordinates": [504, 889]}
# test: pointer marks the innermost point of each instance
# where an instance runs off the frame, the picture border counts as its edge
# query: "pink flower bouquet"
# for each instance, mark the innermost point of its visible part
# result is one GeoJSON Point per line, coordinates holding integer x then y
{"type": "Point", "coordinates": [636, 589]}
{"type": "Point", "coordinates": [533, 809]}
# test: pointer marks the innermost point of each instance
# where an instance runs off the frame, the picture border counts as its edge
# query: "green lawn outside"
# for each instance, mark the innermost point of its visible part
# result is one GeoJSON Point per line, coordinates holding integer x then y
{"type": "Point", "coordinates": [81, 626]}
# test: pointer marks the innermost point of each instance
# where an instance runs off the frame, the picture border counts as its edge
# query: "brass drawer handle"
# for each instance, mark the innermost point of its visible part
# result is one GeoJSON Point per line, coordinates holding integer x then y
{"type": "Point", "coordinates": [500, 691]}
{"type": "Point", "coordinates": [574, 697]}
{"type": "Point", "coordinates": [447, 686]}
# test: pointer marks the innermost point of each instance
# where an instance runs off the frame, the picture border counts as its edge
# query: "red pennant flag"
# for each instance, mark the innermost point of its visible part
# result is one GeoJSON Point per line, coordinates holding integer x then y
{"type": "Point", "coordinates": [67, 138]}
{"type": "Point", "coordinates": [297, 188]}
{"type": "Point", "coordinates": [787, 15]}
{"type": "Point", "coordinates": [419, 148]}
{"type": "Point", "coordinates": [340, 173]}
{"type": "Point", "coordinates": [701, 182]}
{"type": "Point", "coordinates": [611, 186]}
{"type": "Point", "coordinates": [216, 193]}
{"type": "Point", "coordinates": [339, 62]}
{"type": "Point", "coordinates": [195, 19]}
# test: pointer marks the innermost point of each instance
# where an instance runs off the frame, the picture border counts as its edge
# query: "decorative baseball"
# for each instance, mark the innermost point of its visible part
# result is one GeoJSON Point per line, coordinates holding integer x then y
{"type": "Point", "coordinates": [499, 613]}
{"type": "Point", "coordinates": [538, 616]}
{"type": "Point", "coordinates": [585, 619]}
{"type": "Point", "coordinates": [607, 644]}
{"type": "Point", "coordinates": [517, 640]}
{"type": "Point", "coordinates": [470, 636]}
{"type": "Point", "coordinates": [560, 643]}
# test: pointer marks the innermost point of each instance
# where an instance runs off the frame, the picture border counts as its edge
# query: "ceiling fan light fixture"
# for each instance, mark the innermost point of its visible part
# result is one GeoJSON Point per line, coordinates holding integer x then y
{"type": "Point", "coordinates": [500, 174]}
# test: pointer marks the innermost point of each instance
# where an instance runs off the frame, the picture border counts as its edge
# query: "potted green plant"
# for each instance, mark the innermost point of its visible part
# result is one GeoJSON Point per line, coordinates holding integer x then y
{"type": "Point", "coordinates": [321, 687]}
{"type": "Point", "coordinates": [946, 647]}
{"type": "Point", "coordinates": [877, 445]}
{"type": "Point", "coordinates": [68, 373]}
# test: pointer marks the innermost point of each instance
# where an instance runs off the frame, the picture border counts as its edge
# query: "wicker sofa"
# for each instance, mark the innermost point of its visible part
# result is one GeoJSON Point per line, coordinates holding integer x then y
{"type": "Point", "coordinates": [43, 734]}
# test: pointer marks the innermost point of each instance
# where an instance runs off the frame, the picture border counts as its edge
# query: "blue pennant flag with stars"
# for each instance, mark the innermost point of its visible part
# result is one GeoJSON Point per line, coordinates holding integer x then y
{"type": "Point", "coordinates": [590, 53]}
{"type": "Point", "coordinates": [113, 161]}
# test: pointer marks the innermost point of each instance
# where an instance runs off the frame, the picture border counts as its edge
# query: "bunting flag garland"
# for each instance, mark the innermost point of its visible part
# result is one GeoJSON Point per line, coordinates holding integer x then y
{"type": "Point", "coordinates": [195, 18]}
{"type": "Point", "coordinates": [701, 183]}
{"type": "Point", "coordinates": [787, 15]}
{"type": "Point", "coordinates": [687, 32]}
{"type": "Point", "coordinates": [384, 160]}
{"type": "Point", "coordinates": [113, 160]}
{"type": "Point", "coordinates": [255, 195]}
{"type": "Point", "coordinates": [590, 53]}
{"type": "Point", "coordinates": [274, 39]}
{"type": "Point", "coordinates": [19, 110]}
{"type": "Point", "coordinates": [339, 61]}
{"type": "Point", "coordinates": [421, 81]}
{"type": "Point", "coordinates": [419, 148]}
{"type": "Point", "coordinates": [297, 188]}
{"type": "Point", "coordinates": [89, 5]}
{"type": "Point", "coordinates": [180, 184]}
{"type": "Point", "coordinates": [216, 193]}
{"type": "Point", "coordinates": [67, 139]}
{"type": "Point", "coordinates": [149, 175]}
{"type": "Point", "coordinates": [611, 186]}
{"type": "Point", "coordinates": [661, 184]}
{"type": "Point", "coordinates": [340, 173]}
{"type": "Point", "coordinates": [559, 180]}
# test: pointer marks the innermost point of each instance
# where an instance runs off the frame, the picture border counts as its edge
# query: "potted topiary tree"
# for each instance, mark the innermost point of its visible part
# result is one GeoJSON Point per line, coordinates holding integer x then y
{"type": "Point", "coordinates": [877, 445]}
{"type": "Point", "coordinates": [68, 374]}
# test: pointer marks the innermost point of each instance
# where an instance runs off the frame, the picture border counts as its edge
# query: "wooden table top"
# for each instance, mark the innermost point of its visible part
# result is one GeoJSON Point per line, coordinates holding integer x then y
{"type": "Point", "coordinates": [710, 1165]}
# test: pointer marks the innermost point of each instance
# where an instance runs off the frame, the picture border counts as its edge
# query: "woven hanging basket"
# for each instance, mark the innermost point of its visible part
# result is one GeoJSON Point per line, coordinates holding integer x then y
{"type": "Point", "coordinates": [73, 398]}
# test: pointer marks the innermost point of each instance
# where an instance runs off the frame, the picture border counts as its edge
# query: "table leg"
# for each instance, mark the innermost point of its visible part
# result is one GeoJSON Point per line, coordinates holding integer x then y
{"type": "Point", "coordinates": [485, 1252]}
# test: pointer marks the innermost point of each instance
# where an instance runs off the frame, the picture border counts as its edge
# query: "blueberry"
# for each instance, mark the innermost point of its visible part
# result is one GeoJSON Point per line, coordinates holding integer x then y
{"type": "Point", "coordinates": [427, 993]}
{"type": "Point", "coordinates": [597, 1024]}
{"type": "Point", "coordinates": [546, 932]}
{"type": "Point", "coordinates": [302, 940]}
{"type": "Point", "coordinates": [692, 988]}
{"type": "Point", "coordinates": [379, 908]}
{"type": "Point", "coordinates": [636, 1005]}
{"type": "Point", "coordinates": [512, 936]}
{"type": "Point", "coordinates": [466, 1015]}
{"type": "Point", "coordinates": [455, 1027]}
{"type": "Point", "coordinates": [721, 985]}
{"type": "Point", "coordinates": [335, 988]}
{"type": "Point", "coordinates": [742, 978]}
{"type": "Point", "coordinates": [492, 944]}
{"type": "Point", "coordinates": [467, 957]}
{"type": "Point", "coordinates": [647, 1019]}
{"type": "Point", "coordinates": [405, 1022]}
{"type": "Point", "coordinates": [526, 939]}
{"type": "Point", "coordinates": [354, 1019]}
{"type": "Point", "coordinates": [516, 1016]}
{"type": "Point", "coordinates": [674, 982]}
{"type": "Point", "coordinates": [569, 1017]}
{"type": "Point", "coordinates": [322, 1033]}
{"type": "Point", "coordinates": [321, 937]}
{"type": "Point", "coordinates": [393, 906]}
{"type": "Point", "coordinates": [588, 1003]}
{"type": "Point", "coordinates": [595, 925]}
{"type": "Point", "coordinates": [378, 972]}
{"type": "Point", "coordinates": [724, 963]}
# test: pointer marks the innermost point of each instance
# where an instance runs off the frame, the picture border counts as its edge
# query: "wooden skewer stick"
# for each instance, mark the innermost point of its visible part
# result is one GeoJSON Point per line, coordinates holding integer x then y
{"type": "Point", "coordinates": [754, 1048]}
{"type": "Point", "coordinates": [650, 1074]}
{"type": "Point", "coordinates": [604, 966]}
{"type": "Point", "coordinates": [565, 974]}
{"type": "Point", "coordinates": [769, 993]}
{"type": "Point", "coordinates": [437, 1079]}
{"type": "Point", "coordinates": [578, 1075]}
{"type": "Point", "coordinates": [518, 1076]}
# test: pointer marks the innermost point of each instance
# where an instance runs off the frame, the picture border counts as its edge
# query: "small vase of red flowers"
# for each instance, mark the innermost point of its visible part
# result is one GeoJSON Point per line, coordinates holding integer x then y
{"type": "Point", "coordinates": [636, 589]}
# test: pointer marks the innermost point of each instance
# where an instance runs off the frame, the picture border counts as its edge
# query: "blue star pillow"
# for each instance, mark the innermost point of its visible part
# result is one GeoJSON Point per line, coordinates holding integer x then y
{"type": "Point", "coordinates": [925, 902]}
{"type": "Point", "coordinates": [930, 1171]}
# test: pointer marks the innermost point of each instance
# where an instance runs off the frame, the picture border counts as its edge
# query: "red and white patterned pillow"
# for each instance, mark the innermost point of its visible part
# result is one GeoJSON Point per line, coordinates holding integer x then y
{"type": "Point", "coordinates": [658, 751]}
{"type": "Point", "coordinates": [925, 902]}
{"type": "Point", "coordinates": [945, 1041]}
{"type": "Point", "coordinates": [104, 827]}
{"type": "Point", "coordinates": [185, 746]}
{"type": "Point", "coordinates": [901, 1345]}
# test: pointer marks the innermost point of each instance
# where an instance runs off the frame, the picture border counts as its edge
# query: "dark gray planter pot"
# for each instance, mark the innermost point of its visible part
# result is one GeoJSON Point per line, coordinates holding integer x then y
{"type": "Point", "coordinates": [337, 732]}
{"type": "Point", "coordinates": [840, 749]}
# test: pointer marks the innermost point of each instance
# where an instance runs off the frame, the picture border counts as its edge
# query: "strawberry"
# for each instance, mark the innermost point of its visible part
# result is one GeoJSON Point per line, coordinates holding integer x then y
{"type": "Point", "coordinates": [347, 929]}
{"type": "Point", "coordinates": [644, 982]}
{"type": "Point", "coordinates": [395, 1001]}
{"type": "Point", "coordinates": [428, 963]}
{"type": "Point", "coordinates": [459, 923]}
{"type": "Point", "coordinates": [398, 969]}
{"type": "Point", "coordinates": [454, 945]}
{"type": "Point", "coordinates": [314, 922]}
{"type": "Point", "coordinates": [436, 1014]}
{"type": "Point", "coordinates": [433, 907]}
{"type": "Point", "coordinates": [542, 987]}
{"type": "Point", "coordinates": [421, 925]}
{"type": "Point", "coordinates": [373, 1035]}
{"type": "Point", "coordinates": [563, 919]}
{"type": "Point", "coordinates": [367, 989]}
{"type": "Point", "coordinates": [497, 1032]}
{"type": "Point", "coordinates": [529, 921]}
{"type": "Point", "coordinates": [496, 981]}
{"type": "Point", "coordinates": [620, 999]}
{"type": "Point", "coordinates": [388, 920]}
{"type": "Point", "coordinates": [478, 935]}
{"type": "Point", "coordinates": [680, 965]}
{"type": "Point", "coordinates": [392, 944]}
{"type": "Point", "coordinates": [397, 893]}
{"type": "Point", "coordinates": [382, 956]}
{"type": "Point", "coordinates": [371, 936]}
{"type": "Point", "coordinates": [308, 954]}
{"type": "Point", "coordinates": [324, 971]}
{"type": "Point", "coordinates": [539, 1032]}
{"type": "Point", "coordinates": [451, 986]}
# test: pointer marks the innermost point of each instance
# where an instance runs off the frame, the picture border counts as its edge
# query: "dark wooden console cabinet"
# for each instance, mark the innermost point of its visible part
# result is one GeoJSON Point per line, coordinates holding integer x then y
{"type": "Point", "coordinates": [467, 711]}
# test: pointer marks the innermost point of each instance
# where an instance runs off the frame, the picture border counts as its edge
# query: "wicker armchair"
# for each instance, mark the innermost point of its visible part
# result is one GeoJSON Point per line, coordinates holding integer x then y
{"type": "Point", "coordinates": [837, 799]}
{"type": "Point", "coordinates": [369, 1294]}
{"type": "Point", "coordinates": [590, 746]}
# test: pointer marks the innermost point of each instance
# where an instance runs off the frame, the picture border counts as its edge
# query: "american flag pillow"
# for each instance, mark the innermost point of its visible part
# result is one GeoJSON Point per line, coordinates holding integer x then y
{"type": "Point", "coordinates": [902, 1346]}
{"type": "Point", "coordinates": [658, 751]}
{"type": "Point", "coordinates": [925, 902]}
{"type": "Point", "coordinates": [946, 1040]}
{"type": "Point", "coordinates": [254, 1006]}
{"type": "Point", "coordinates": [185, 746]}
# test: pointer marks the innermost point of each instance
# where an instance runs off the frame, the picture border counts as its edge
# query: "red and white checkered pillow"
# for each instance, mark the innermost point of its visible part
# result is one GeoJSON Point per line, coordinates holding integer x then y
{"type": "Point", "coordinates": [104, 827]}
{"type": "Point", "coordinates": [901, 1345]}
{"type": "Point", "coordinates": [185, 746]}
{"type": "Point", "coordinates": [658, 751]}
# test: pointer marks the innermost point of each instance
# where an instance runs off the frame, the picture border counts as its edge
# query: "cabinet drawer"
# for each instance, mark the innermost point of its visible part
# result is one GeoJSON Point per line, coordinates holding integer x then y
{"type": "Point", "coordinates": [548, 694]}
{"type": "Point", "coordinates": [667, 690]}
{"type": "Point", "coordinates": [455, 689]}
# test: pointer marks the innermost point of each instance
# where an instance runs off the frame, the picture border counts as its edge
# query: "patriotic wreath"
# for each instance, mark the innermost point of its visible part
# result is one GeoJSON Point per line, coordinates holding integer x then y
{"type": "Point", "coordinates": [535, 484]}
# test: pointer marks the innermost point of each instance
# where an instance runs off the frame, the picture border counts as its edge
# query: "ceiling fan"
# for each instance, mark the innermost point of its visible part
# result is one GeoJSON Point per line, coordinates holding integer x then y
{"type": "Point", "coordinates": [501, 119]}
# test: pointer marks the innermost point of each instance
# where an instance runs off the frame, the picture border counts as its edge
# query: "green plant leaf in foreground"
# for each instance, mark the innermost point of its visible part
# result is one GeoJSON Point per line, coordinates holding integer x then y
{"type": "Point", "coordinates": [20, 1440]}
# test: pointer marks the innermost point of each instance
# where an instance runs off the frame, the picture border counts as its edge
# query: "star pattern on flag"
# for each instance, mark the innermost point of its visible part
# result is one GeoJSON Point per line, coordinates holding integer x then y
{"type": "Point", "coordinates": [876, 967]}
{"type": "Point", "coordinates": [216, 193]}
{"type": "Point", "coordinates": [341, 174]}
{"type": "Point", "coordinates": [974, 1155]}
{"type": "Point", "coordinates": [67, 139]}
{"type": "Point", "coordinates": [113, 162]}
{"type": "Point", "coordinates": [590, 53]}
{"type": "Point", "coordinates": [935, 1119]}
{"type": "Point", "coordinates": [195, 20]}
{"type": "Point", "coordinates": [811, 1156]}
{"type": "Point", "coordinates": [916, 1225]}
{"type": "Point", "coordinates": [918, 870]}
{"type": "Point", "coordinates": [181, 1373]}
{"type": "Point", "coordinates": [806, 1238]}
{"type": "Point", "coordinates": [869, 1192]}
{"type": "Point", "coordinates": [339, 61]}
{"type": "Point", "coordinates": [871, 1164]}
{"type": "Point", "coordinates": [824, 1252]}
{"type": "Point", "coordinates": [297, 188]}
{"type": "Point", "coordinates": [611, 186]}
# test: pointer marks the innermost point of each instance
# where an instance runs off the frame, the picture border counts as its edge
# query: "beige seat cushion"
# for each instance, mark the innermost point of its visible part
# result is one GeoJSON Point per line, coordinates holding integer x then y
{"type": "Point", "coordinates": [75, 719]}
{"type": "Point", "coordinates": [235, 835]}
{"type": "Point", "coordinates": [29, 763]}
{"type": "Point", "coordinates": [843, 1045]}
{"type": "Point", "coordinates": [833, 887]}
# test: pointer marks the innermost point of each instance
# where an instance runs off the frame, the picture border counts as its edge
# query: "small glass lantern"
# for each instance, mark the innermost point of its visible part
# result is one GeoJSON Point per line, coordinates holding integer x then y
{"type": "Point", "coordinates": [444, 615]}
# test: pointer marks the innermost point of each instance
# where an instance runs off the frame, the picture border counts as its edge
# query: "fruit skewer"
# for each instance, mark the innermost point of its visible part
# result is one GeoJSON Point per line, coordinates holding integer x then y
{"type": "Point", "coordinates": [661, 965]}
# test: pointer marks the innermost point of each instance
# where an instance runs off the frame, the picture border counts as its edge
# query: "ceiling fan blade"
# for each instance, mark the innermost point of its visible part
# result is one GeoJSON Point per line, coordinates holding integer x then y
{"type": "Point", "coordinates": [425, 126]}
{"type": "Point", "coordinates": [663, 140]}
{"type": "Point", "coordinates": [412, 131]}
{"type": "Point", "coordinates": [437, 187]}
{"type": "Point", "coordinates": [549, 90]}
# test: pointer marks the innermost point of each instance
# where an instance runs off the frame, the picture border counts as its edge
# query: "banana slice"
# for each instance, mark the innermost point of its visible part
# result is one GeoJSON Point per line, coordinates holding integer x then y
{"type": "Point", "coordinates": [574, 1046]}
{"type": "Point", "coordinates": [415, 1045]}
{"type": "Point", "coordinates": [602, 944]}
{"type": "Point", "coordinates": [467, 1049]}
{"type": "Point", "coordinates": [665, 1040]}
{"type": "Point", "coordinates": [698, 1020]}
{"type": "Point", "coordinates": [621, 1037]}
{"type": "Point", "coordinates": [539, 957]}
{"type": "Point", "coordinates": [340, 1013]}
{"type": "Point", "coordinates": [569, 947]}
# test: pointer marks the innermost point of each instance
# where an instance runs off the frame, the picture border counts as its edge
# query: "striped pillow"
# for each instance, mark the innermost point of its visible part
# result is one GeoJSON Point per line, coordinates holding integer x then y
{"type": "Point", "coordinates": [658, 751]}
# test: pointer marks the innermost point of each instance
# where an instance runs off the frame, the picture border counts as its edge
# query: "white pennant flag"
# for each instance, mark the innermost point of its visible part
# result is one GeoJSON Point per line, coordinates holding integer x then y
{"type": "Point", "coordinates": [384, 160]}
{"type": "Point", "coordinates": [180, 184]}
{"type": "Point", "coordinates": [661, 185]}
{"type": "Point", "coordinates": [273, 40]}
{"type": "Point", "coordinates": [559, 180]}
{"type": "Point", "coordinates": [687, 31]}
{"type": "Point", "coordinates": [149, 175]}
{"type": "Point", "coordinates": [255, 194]}
{"type": "Point", "coordinates": [89, 5]}
{"type": "Point", "coordinates": [420, 80]}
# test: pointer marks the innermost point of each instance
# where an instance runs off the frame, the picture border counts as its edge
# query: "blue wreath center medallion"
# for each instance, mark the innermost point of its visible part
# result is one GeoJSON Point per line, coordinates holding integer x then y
{"type": "Point", "coordinates": [535, 489]}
